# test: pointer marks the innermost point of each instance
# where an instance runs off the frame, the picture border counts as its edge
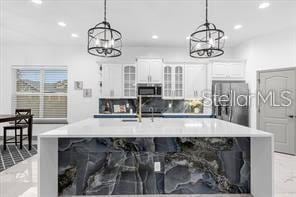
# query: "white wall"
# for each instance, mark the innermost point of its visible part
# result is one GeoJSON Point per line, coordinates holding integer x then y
{"type": "Point", "coordinates": [81, 67]}
{"type": "Point", "coordinates": [277, 50]}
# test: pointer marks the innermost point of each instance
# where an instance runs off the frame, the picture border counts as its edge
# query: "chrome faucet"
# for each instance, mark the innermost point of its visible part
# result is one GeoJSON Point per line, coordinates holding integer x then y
{"type": "Point", "coordinates": [139, 115]}
{"type": "Point", "coordinates": [152, 110]}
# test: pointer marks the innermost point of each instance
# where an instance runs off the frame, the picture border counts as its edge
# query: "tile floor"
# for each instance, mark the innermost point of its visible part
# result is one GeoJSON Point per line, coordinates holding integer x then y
{"type": "Point", "coordinates": [21, 180]}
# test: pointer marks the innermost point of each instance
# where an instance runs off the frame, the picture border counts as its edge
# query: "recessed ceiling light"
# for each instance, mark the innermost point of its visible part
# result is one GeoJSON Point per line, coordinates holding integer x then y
{"type": "Point", "coordinates": [237, 27]}
{"type": "Point", "coordinates": [155, 37]}
{"type": "Point", "coordinates": [264, 5]}
{"type": "Point", "coordinates": [225, 37]}
{"type": "Point", "coordinates": [39, 2]}
{"type": "Point", "coordinates": [62, 24]}
{"type": "Point", "coordinates": [74, 35]}
{"type": "Point", "coordinates": [188, 37]}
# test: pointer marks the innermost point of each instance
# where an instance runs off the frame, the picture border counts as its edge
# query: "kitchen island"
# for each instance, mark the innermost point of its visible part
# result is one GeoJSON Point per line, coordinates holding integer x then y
{"type": "Point", "coordinates": [168, 156]}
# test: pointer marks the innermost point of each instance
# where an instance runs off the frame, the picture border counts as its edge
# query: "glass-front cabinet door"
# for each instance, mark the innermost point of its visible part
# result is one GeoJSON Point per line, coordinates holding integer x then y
{"type": "Point", "coordinates": [167, 89]}
{"type": "Point", "coordinates": [179, 84]}
{"type": "Point", "coordinates": [173, 82]}
{"type": "Point", "coordinates": [129, 81]}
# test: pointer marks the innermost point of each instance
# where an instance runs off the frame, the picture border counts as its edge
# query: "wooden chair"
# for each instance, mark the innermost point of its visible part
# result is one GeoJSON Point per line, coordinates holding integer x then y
{"type": "Point", "coordinates": [20, 125]}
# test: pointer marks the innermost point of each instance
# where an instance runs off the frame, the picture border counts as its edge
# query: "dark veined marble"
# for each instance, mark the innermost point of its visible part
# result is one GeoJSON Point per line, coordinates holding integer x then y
{"type": "Point", "coordinates": [112, 166]}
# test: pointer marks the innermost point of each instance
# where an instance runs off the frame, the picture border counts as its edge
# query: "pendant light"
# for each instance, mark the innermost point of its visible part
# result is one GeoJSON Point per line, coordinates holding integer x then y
{"type": "Point", "coordinates": [207, 41]}
{"type": "Point", "coordinates": [103, 41]}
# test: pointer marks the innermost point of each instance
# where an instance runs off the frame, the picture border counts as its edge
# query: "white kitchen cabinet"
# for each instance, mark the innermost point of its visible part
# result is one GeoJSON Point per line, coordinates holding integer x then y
{"type": "Point", "coordinates": [228, 70]}
{"type": "Point", "coordinates": [173, 82]}
{"type": "Point", "coordinates": [111, 81]}
{"type": "Point", "coordinates": [156, 71]}
{"type": "Point", "coordinates": [149, 71]}
{"type": "Point", "coordinates": [195, 80]}
{"type": "Point", "coordinates": [129, 81]}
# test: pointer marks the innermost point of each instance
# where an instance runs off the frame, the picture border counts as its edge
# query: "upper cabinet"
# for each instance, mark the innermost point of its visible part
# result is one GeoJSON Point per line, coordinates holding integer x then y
{"type": "Point", "coordinates": [173, 82]}
{"type": "Point", "coordinates": [195, 80]}
{"type": "Point", "coordinates": [228, 70]}
{"type": "Point", "coordinates": [111, 81]}
{"type": "Point", "coordinates": [149, 71]}
{"type": "Point", "coordinates": [129, 81]}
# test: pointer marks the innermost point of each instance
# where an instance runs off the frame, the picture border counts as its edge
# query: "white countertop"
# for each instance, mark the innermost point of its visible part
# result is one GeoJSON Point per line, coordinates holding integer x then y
{"type": "Point", "coordinates": [162, 114]}
{"type": "Point", "coordinates": [161, 127]}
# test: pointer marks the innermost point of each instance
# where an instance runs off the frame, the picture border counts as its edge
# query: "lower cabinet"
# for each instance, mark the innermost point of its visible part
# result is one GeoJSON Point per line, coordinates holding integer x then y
{"type": "Point", "coordinates": [133, 166]}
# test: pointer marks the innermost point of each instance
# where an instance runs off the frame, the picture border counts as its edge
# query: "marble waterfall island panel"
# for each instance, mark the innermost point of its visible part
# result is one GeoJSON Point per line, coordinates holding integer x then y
{"type": "Point", "coordinates": [126, 166]}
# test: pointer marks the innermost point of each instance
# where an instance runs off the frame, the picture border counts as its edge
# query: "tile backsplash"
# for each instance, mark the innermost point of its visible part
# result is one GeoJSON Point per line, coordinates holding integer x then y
{"type": "Point", "coordinates": [110, 106]}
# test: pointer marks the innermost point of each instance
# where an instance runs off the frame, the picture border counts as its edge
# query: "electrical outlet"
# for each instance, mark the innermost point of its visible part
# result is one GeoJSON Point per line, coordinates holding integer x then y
{"type": "Point", "coordinates": [157, 167]}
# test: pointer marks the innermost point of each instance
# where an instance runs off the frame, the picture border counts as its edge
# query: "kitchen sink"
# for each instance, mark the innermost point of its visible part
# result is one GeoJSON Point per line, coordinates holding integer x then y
{"type": "Point", "coordinates": [129, 120]}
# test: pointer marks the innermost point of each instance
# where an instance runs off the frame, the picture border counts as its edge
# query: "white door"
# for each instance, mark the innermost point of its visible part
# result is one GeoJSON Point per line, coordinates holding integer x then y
{"type": "Point", "coordinates": [155, 71]}
{"type": "Point", "coordinates": [143, 71]}
{"type": "Point", "coordinates": [279, 120]}
{"type": "Point", "coordinates": [195, 81]}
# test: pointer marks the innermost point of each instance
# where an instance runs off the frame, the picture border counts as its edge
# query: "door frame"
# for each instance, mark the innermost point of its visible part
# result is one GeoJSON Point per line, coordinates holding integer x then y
{"type": "Point", "coordinates": [258, 72]}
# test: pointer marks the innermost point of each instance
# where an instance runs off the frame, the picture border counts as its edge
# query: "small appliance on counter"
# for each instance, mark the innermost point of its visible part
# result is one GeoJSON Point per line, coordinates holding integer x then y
{"type": "Point", "coordinates": [231, 101]}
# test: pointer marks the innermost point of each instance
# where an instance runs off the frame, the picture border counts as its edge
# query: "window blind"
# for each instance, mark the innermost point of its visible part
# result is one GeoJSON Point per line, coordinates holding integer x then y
{"type": "Point", "coordinates": [44, 91]}
{"type": "Point", "coordinates": [28, 81]}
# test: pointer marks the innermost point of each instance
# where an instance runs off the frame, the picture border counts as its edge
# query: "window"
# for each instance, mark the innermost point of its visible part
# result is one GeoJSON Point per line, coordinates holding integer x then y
{"type": "Point", "coordinates": [43, 90]}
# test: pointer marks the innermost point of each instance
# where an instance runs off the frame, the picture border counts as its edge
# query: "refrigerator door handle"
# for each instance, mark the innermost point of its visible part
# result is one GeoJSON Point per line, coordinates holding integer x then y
{"type": "Point", "coordinates": [230, 113]}
{"type": "Point", "coordinates": [230, 106]}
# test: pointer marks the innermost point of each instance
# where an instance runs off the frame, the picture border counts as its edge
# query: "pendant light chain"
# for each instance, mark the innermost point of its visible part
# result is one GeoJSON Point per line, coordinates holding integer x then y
{"type": "Point", "coordinates": [207, 11]}
{"type": "Point", "coordinates": [207, 22]}
{"type": "Point", "coordinates": [104, 41]}
{"type": "Point", "coordinates": [105, 18]}
{"type": "Point", "coordinates": [105, 12]}
{"type": "Point", "coordinates": [207, 41]}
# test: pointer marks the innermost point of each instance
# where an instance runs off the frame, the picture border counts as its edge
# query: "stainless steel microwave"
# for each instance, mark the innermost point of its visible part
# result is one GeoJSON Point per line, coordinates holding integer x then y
{"type": "Point", "coordinates": [150, 91]}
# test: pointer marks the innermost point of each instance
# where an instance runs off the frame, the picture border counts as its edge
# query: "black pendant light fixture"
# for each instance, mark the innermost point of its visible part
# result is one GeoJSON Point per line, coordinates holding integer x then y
{"type": "Point", "coordinates": [207, 41]}
{"type": "Point", "coordinates": [103, 41]}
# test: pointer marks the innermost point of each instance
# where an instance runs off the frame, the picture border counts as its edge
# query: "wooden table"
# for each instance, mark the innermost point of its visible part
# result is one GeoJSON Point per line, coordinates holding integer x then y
{"type": "Point", "coordinates": [12, 117]}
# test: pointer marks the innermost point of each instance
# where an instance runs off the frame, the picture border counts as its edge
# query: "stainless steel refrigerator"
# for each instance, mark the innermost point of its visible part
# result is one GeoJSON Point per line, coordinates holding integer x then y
{"type": "Point", "coordinates": [231, 101]}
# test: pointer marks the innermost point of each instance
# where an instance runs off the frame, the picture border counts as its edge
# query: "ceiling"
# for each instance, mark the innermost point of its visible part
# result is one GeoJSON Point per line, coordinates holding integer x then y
{"type": "Point", "coordinates": [172, 20]}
